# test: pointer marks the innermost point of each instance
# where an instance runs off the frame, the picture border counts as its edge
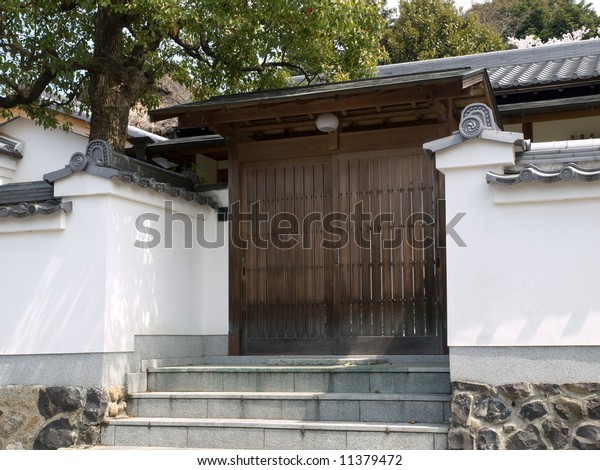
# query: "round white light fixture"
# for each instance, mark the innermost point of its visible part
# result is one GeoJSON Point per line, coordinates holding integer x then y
{"type": "Point", "coordinates": [327, 122]}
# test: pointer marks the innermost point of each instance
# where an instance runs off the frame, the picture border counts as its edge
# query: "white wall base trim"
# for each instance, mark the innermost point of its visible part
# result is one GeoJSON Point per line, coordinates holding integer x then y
{"type": "Point", "coordinates": [542, 364]}
{"type": "Point", "coordinates": [80, 370]}
{"type": "Point", "coordinates": [108, 369]}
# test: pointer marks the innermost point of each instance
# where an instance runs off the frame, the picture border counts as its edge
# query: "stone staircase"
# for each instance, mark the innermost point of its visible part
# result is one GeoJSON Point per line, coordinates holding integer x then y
{"type": "Point", "coordinates": [382, 402]}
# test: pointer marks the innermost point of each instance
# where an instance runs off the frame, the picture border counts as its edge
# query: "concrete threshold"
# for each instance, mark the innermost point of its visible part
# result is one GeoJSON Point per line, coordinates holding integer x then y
{"type": "Point", "coordinates": [383, 368]}
{"type": "Point", "coordinates": [280, 424]}
{"type": "Point", "coordinates": [323, 360]}
{"type": "Point", "coordinates": [293, 396]}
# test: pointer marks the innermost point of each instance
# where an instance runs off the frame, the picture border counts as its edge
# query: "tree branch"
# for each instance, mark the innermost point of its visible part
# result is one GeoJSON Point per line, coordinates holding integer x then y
{"type": "Point", "coordinates": [194, 52]}
{"type": "Point", "coordinates": [190, 50]}
{"type": "Point", "coordinates": [22, 97]}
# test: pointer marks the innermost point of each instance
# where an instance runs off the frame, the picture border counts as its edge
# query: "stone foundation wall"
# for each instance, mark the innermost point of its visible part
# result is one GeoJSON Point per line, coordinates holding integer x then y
{"type": "Point", "coordinates": [525, 416]}
{"type": "Point", "coordinates": [34, 417]}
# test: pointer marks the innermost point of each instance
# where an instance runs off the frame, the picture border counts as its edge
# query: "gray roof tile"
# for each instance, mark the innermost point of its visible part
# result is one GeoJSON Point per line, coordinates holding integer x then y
{"type": "Point", "coordinates": [544, 72]}
{"type": "Point", "coordinates": [518, 67]}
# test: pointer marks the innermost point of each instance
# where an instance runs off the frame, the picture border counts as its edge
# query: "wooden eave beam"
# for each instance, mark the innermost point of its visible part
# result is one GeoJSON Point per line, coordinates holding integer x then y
{"type": "Point", "coordinates": [314, 106]}
{"type": "Point", "coordinates": [369, 139]}
{"type": "Point", "coordinates": [347, 118]}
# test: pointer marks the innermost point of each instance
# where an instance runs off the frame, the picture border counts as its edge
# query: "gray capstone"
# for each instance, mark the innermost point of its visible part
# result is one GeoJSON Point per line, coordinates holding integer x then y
{"type": "Point", "coordinates": [490, 409]}
{"type": "Point", "coordinates": [516, 391]}
{"type": "Point", "coordinates": [55, 435]}
{"type": "Point", "coordinates": [55, 400]}
{"type": "Point", "coordinates": [88, 435]}
{"type": "Point", "coordinates": [587, 438]}
{"type": "Point", "coordinates": [488, 439]}
{"type": "Point", "coordinates": [583, 388]}
{"type": "Point", "coordinates": [460, 409]}
{"type": "Point", "coordinates": [556, 433]}
{"type": "Point", "coordinates": [533, 410]}
{"type": "Point", "coordinates": [460, 439]}
{"type": "Point", "coordinates": [549, 389]}
{"type": "Point", "coordinates": [508, 428]}
{"type": "Point", "coordinates": [44, 407]}
{"type": "Point", "coordinates": [65, 399]}
{"type": "Point", "coordinates": [593, 408]}
{"type": "Point", "coordinates": [11, 423]}
{"type": "Point", "coordinates": [568, 409]}
{"type": "Point", "coordinates": [527, 439]}
{"type": "Point", "coordinates": [471, 387]}
{"type": "Point", "coordinates": [95, 406]}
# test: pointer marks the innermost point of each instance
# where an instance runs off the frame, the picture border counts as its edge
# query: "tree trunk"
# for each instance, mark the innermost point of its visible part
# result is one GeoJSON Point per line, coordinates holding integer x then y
{"type": "Point", "coordinates": [115, 81]}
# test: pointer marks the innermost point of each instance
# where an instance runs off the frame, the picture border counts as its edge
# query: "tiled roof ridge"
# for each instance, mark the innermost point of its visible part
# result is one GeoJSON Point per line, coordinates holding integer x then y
{"type": "Point", "coordinates": [589, 47]}
{"type": "Point", "coordinates": [533, 66]}
{"type": "Point", "coordinates": [99, 160]}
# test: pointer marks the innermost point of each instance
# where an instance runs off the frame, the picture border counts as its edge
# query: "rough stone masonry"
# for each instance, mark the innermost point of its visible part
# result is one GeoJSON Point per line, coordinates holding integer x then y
{"type": "Point", "coordinates": [525, 416]}
{"type": "Point", "coordinates": [36, 417]}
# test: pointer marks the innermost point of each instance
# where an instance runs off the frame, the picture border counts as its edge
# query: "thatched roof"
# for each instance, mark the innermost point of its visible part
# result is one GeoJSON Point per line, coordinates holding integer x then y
{"type": "Point", "coordinates": [171, 94]}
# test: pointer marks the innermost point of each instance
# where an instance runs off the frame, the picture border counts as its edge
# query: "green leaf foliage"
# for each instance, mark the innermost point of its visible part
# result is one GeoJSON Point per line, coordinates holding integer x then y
{"type": "Point", "coordinates": [108, 54]}
{"type": "Point", "coordinates": [429, 29]}
{"type": "Point", "coordinates": [544, 19]}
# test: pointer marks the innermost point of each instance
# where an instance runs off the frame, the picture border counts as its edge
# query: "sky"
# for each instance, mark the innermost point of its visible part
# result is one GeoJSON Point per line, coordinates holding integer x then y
{"type": "Point", "coordinates": [466, 4]}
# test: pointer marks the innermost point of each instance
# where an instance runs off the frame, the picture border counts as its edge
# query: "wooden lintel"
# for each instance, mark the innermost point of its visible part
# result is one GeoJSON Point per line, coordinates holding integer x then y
{"type": "Point", "coordinates": [346, 119]}
{"type": "Point", "coordinates": [313, 106]}
{"type": "Point", "coordinates": [299, 147]}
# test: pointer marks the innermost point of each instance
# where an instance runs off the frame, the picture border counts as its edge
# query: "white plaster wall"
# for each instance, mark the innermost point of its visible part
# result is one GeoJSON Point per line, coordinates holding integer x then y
{"type": "Point", "coordinates": [563, 130]}
{"type": "Point", "coordinates": [546, 131]}
{"type": "Point", "coordinates": [211, 265]}
{"type": "Point", "coordinates": [529, 273]}
{"type": "Point", "coordinates": [75, 283]}
{"type": "Point", "coordinates": [52, 281]}
{"type": "Point", "coordinates": [45, 150]}
{"type": "Point", "coordinates": [162, 290]}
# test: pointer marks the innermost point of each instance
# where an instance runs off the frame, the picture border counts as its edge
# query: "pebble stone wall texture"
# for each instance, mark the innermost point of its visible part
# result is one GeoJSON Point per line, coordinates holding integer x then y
{"type": "Point", "coordinates": [525, 416]}
{"type": "Point", "coordinates": [54, 417]}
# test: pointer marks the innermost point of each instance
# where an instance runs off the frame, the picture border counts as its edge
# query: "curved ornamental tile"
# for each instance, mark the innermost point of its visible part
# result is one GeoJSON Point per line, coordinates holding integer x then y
{"type": "Point", "coordinates": [474, 119]}
{"type": "Point", "coordinates": [26, 209]}
{"type": "Point", "coordinates": [531, 173]}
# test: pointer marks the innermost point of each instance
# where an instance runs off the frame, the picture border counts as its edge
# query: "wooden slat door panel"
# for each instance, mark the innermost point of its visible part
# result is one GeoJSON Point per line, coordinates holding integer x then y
{"type": "Point", "coordinates": [388, 281]}
{"type": "Point", "coordinates": [289, 279]}
{"type": "Point", "coordinates": [346, 259]}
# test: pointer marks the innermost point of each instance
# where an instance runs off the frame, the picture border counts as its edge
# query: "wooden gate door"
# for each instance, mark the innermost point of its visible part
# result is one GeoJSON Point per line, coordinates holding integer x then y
{"type": "Point", "coordinates": [341, 256]}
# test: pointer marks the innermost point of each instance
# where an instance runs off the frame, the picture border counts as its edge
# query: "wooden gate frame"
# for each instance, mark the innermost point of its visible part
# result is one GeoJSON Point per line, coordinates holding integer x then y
{"type": "Point", "coordinates": [375, 114]}
{"type": "Point", "coordinates": [383, 307]}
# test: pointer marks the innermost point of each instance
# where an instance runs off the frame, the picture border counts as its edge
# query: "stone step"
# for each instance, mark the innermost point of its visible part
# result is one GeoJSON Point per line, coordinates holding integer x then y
{"type": "Point", "coordinates": [358, 407]}
{"type": "Point", "coordinates": [380, 378]}
{"type": "Point", "coordinates": [271, 434]}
